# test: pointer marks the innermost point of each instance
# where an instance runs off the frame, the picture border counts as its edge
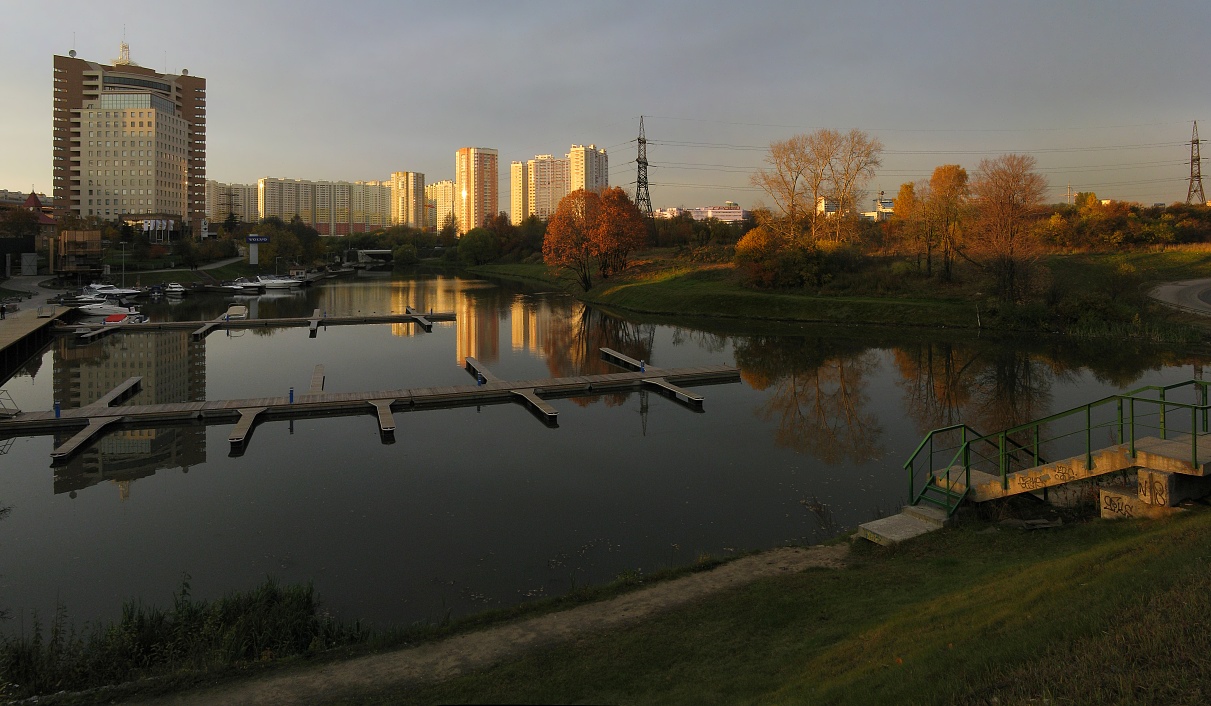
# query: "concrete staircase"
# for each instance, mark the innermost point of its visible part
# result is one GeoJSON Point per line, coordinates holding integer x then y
{"type": "Point", "coordinates": [913, 521]}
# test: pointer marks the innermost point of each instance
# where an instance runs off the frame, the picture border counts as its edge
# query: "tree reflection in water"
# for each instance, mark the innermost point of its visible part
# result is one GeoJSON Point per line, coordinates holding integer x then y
{"type": "Point", "coordinates": [573, 346]}
{"type": "Point", "coordinates": [819, 399]}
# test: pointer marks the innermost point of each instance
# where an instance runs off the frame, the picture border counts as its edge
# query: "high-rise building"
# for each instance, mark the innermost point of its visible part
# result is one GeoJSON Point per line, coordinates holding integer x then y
{"type": "Point", "coordinates": [439, 199]}
{"type": "Point", "coordinates": [476, 182]}
{"type": "Point", "coordinates": [331, 207]}
{"type": "Point", "coordinates": [408, 199]}
{"type": "Point", "coordinates": [588, 169]}
{"type": "Point", "coordinates": [519, 192]}
{"type": "Point", "coordinates": [224, 199]}
{"type": "Point", "coordinates": [128, 141]}
{"type": "Point", "coordinates": [548, 184]}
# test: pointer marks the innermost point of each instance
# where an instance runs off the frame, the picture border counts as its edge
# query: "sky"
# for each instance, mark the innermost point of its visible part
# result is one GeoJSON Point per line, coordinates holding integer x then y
{"type": "Point", "coordinates": [1103, 94]}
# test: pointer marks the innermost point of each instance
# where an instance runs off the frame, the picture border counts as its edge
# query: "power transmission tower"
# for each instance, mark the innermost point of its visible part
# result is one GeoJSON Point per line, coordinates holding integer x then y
{"type": "Point", "coordinates": [1196, 175]}
{"type": "Point", "coordinates": [642, 198]}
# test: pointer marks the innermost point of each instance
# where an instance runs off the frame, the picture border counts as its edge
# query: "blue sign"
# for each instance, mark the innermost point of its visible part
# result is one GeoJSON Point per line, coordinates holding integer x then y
{"type": "Point", "coordinates": [257, 239]}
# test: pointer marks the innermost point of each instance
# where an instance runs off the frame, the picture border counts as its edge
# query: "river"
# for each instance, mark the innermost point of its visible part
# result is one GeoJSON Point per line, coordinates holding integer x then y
{"type": "Point", "coordinates": [480, 508]}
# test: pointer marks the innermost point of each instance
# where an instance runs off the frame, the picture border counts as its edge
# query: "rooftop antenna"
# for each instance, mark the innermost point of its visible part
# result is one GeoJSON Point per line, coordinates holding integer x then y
{"type": "Point", "coordinates": [1196, 175]}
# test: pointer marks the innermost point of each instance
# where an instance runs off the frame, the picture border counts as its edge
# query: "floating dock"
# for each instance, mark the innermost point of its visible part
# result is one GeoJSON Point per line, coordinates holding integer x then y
{"type": "Point", "coordinates": [201, 329]}
{"type": "Point", "coordinates": [90, 421]}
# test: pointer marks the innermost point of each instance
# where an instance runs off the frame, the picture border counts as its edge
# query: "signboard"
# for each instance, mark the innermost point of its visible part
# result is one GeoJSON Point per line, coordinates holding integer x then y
{"type": "Point", "coordinates": [257, 239]}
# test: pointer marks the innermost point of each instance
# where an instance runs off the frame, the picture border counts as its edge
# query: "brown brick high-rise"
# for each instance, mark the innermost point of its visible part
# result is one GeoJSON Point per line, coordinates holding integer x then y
{"type": "Point", "coordinates": [129, 142]}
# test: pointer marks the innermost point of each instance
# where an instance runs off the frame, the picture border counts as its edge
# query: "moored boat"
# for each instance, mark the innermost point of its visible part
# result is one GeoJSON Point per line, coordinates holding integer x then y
{"type": "Point", "coordinates": [174, 289]}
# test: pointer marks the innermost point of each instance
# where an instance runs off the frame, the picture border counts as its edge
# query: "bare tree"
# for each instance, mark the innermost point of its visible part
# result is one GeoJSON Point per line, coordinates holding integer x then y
{"type": "Point", "coordinates": [1008, 193]}
{"type": "Point", "coordinates": [851, 166]}
{"type": "Point", "coordinates": [805, 169]}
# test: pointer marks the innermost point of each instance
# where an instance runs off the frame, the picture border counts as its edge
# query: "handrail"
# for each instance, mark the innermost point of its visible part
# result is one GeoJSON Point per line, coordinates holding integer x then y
{"type": "Point", "coordinates": [1127, 422]}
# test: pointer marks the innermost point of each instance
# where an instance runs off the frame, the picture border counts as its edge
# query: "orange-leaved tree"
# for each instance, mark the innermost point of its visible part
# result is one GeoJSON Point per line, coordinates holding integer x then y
{"type": "Point", "coordinates": [620, 230]}
{"type": "Point", "coordinates": [569, 242]}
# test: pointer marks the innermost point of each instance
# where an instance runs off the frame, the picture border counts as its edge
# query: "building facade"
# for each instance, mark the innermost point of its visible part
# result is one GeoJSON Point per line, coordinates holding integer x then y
{"type": "Point", "coordinates": [331, 207]}
{"type": "Point", "coordinates": [588, 169]}
{"type": "Point", "coordinates": [128, 141]}
{"type": "Point", "coordinates": [224, 199]}
{"type": "Point", "coordinates": [519, 192]}
{"type": "Point", "coordinates": [439, 199]}
{"type": "Point", "coordinates": [476, 182]}
{"type": "Point", "coordinates": [408, 199]}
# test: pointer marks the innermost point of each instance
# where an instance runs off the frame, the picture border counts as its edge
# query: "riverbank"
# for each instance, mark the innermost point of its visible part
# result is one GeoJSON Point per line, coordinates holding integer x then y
{"type": "Point", "coordinates": [1090, 612]}
{"type": "Point", "coordinates": [1086, 295]}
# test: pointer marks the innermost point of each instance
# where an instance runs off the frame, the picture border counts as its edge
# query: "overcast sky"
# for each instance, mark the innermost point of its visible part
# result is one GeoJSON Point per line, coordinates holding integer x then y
{"type": "Point", "coordinates": [1103, 94]}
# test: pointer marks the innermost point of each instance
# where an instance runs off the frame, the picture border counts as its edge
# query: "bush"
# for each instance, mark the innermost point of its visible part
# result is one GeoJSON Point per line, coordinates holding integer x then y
{"type": "Point", "coordinates": [404, 255]}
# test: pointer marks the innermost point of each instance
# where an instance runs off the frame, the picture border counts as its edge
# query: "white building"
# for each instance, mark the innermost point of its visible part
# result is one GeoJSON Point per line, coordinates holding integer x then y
{"type": "Point", "coordinates": [884, 208]}
{"type": "Point", "coordinates": [588, 169]}
{"type": "Point", "coordinates": [224, 199]}
{"type": "Point", "coordinates": [408, 199]}
{"type": "Point", "coordinates": [439, 196]}
{"type": "Point", "coordinates": [519, 192]}
{"type": "Point", "coordinates": [729, 212]}
{"type": "Point", "coordinates": [477, 181]}
{"type": "Point", "coordinates": [331, 207]}
{"type": "Point", "coordinates": [548, 184]}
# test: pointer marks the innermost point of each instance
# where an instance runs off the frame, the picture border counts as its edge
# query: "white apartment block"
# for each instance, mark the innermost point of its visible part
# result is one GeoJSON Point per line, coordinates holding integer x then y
{"type": "Point", "coordinates": [519, 192]}
{"type": "Point", "coordinates": [331, 207]}
{"type": "Point", "coordinates": [729, 212]}
{"type": "Point", "coordinates": [588, 169]}
{"type": "Point", "coordinates": [240, 199]}
{"type": "Point", "coordinates": [440, 197]}
{"type": "Point", "coordinates": [538, 185]}
{"type": "Point", "coordinates": [408, 199]}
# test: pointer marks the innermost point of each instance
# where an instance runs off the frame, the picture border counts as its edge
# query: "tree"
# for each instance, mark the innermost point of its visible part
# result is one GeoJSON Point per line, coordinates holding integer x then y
{"type": "Point", "coordinates": [478, 246]}
{"type": "Point", "coordinates": [948, 193]}
{"type": "Point", "coordinates": [849, 167]}
{"type": "Point", "coordinates": [619, 230]}
{"type": "Point", "coordinates": [569, 239]}
{"type": "Point", "coordinates": [1008, 193]}
{"type": "Point", "coordinates": [231, 222]}
{"type": "Point", "coordinates": [448, 235]}
{"type": "Point", "coordinates": [911, 214]}
{"type": "Point", "coordinates": [19, 223]}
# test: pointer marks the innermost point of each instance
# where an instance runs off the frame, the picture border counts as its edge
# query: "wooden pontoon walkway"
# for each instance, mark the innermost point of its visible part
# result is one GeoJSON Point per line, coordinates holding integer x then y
{"type": "Point", "coordinates": [90, 421]}
{"type": "Point", "coordinates": [201, 329]}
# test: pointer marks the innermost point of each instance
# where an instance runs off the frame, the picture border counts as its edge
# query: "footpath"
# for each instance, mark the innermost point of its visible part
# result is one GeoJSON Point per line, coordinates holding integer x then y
{"type": "Point", "coordinates": [463, 654]}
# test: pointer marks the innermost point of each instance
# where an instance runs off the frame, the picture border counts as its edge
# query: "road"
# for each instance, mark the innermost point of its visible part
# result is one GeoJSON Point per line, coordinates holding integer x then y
{"type": "Point", "coordinates": [1192, 295]}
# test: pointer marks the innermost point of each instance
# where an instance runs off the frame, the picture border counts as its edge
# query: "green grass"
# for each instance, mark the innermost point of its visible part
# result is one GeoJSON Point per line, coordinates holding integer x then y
{"type": "Point", "coordinates": [1102, 612]}
{"type": "Point", "coordinates": [145, 279]}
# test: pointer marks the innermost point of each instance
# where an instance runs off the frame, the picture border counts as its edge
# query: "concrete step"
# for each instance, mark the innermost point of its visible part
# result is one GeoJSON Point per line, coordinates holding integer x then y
{"type": "Point", "coordinates": [1120, 501]}
{"type": "Point", "coordinates": [892, 530]}
{"type": "Point", "coordinates": [935, 516]}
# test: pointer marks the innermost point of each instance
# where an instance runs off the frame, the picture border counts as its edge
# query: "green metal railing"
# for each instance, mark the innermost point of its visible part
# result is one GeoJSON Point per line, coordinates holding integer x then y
{"type": "Point", "coordinates": [1146, 409]}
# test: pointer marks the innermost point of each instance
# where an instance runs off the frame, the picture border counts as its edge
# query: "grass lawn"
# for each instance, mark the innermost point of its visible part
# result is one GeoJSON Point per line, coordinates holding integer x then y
{"type": "Point", "coordinates": [1098, 612]}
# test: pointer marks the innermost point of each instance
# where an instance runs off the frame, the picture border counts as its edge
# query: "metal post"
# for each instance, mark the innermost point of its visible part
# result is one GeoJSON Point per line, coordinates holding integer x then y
{"type": "Point", "coordinates": [1131, 416]}
{"type": "Point", "coordinates": [1203, 393]}
{"type": "Point", "coordinates": [57, 410]}
{"type": "Point", "coordinates": [1120, 420]}
{"type": "Point", "coordinates": [1088, 438]}
{"type": "Point", "coordinates": [292, 395]}
{"type": "Point", "coordinates": [1001, 463]}
{"type": "Point", "coordinates": [1036, 445]}
{"type": "Point", "coordinates": [1163, 413]}
{"type": "Point", "coordinates": [1193, 438]}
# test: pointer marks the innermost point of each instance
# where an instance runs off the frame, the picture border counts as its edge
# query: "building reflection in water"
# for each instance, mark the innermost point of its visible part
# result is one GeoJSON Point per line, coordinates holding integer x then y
{"type": "Point", "coordinates": [173, 369]}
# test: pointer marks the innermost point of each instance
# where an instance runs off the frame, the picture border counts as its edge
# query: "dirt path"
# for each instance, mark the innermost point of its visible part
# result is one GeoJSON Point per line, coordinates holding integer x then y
{"type": "Point", "coordinates": [1188, 295]}
{"type": "Point", "coordinates": [465, 653]}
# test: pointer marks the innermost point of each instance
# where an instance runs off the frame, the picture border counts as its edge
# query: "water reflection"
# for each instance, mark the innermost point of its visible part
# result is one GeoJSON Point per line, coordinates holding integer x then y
{"type": "Point", "coordinates": [173, 369]}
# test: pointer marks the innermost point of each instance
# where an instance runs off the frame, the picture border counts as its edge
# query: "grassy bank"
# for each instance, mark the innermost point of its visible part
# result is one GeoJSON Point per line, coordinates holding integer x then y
{"type": "Point", "coordinates": [1101, 612]}
{"type": "Point", "coordinates": [1088, 295]}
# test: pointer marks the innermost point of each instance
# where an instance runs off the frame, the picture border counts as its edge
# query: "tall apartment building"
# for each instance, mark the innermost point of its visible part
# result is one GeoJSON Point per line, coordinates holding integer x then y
{"type": "Point", "coordinates": [439, 199]}
{"type": "Point", "coordinates": [476, 184]}
{"type": "Point", "coordinates": [224, 199]}
{"type": "Point", "coordinates": [519, 192]}
{"type": "Point", "coordinates": [408, 199]}
{"type": "Point", "coordinates": [331, 207]}
{"type": "Point", "coordinates": [537, 185]}
{"type": "Point", "coordinates": [588, 169]}
{"type": "Point", "coordinates": [128, 141]}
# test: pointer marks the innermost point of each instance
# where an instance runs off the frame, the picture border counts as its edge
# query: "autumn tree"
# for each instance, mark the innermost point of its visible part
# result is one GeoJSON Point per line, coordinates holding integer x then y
{"type": "Point", "coordinates": [948, 192]}
{"type": "Point", "coordinates": [850, 166]}
{"type": "Point", "coordinates": [619, 231]}
{"type": "Point", "coordinates": [1008, 193]}
{"type": "Point", "coordinates": [569, 239]}
{"type": "Point", "coordinates": [911, 214]}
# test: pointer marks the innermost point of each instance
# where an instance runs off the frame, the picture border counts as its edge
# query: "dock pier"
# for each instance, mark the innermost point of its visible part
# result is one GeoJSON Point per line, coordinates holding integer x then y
{"type": "Point", "coordinates": [93, 420]}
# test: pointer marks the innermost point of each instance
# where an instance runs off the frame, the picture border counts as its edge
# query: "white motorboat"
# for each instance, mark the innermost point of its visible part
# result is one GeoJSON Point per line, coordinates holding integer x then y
{"type": "Point", "coordinates": [242, 284]}
{"type": "Point", "coordinates": [104, 310]}
{"type": "Point", "coordinates": [174, 289]}
{"type": "Point", "coordinates": [111, 292]}
{"type": "Point", "coordinates": [277, 282]}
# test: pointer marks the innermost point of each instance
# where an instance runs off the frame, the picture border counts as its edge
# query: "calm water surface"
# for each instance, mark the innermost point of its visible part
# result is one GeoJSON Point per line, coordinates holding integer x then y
{"type": "Point", "coordinates": [477, 508]}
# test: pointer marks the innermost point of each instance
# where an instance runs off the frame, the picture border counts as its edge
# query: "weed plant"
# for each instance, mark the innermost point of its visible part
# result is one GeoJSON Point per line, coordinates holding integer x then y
{"type": "Point", "coordinates": [267, 622]}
